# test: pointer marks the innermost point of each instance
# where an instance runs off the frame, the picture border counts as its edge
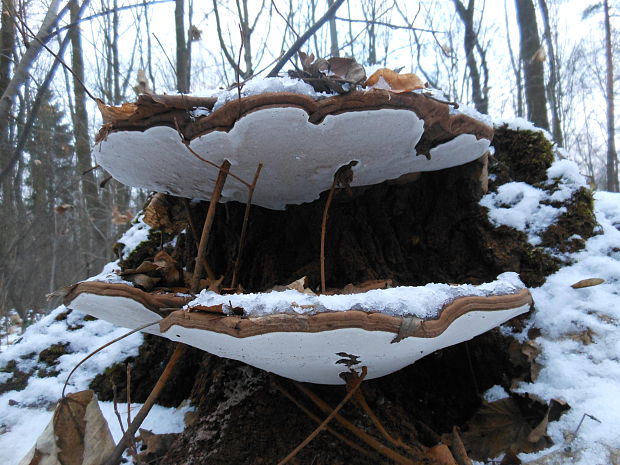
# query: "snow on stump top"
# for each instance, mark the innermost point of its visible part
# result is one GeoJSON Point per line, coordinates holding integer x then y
{"type": "Point", "coordinates": [301, 139]}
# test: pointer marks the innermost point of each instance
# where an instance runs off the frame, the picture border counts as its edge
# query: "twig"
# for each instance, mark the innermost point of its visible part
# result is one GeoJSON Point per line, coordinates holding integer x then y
{"type": "Point", "coordinates": [312, 416]}
{"type": "Point", "coordinates": [331, 11]}
{"type": "Point", "coordinates": [330, 197]}
{"type": "Point", "coordinates": [368, 439]}
{"type": "Point", "coordinates": [356, 384]}
{"type": "Point", "coordinates": [209, 162]}
{"type": "Point", "coordinates": [165, 54]}
{"type": "Point", "coordinates": [115, 456]}
{"type": "Point", "coordinates": [361, 400]}
{"type": "Point", "coordinates": [427, 95]}
{"type": "Point", "coordinates": [55, 55]}
{"type": "Point", "coordinates": [388, 25]}
{"type": "Point", "coordinates": [581, 422]}
{"type": "Point", "coordinates": [244, 228]}
{"type": "Point", "coordinates": [140, 328]}
{"type": "Point", "coordinates": [195, 234]}
{"type": "Point", "coordinates": [206, 229]}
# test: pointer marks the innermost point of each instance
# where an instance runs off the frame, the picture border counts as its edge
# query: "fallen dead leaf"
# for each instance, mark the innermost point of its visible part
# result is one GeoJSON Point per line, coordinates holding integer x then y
{"type": "Point", "coordinates": [215, 309]}
{"type": "Point", "coordinates": [458, 448]}
{"type": "Point", "coordinates": [165, 213]}
{"type": "Point", "coordinates": [587, 283]}
{"type": "Point", "coordinates": [501, 426]}
{"type": "Point", "coordinates": [78, 434]}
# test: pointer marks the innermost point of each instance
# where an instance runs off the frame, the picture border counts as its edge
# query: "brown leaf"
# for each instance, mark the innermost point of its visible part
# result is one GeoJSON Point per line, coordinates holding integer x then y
{"type": "Point", "coordinates": [121, 218]}
{"type": "Point", "coordinates": [143, 281]}
{"type": "Point", "coordinates": [155, 445]}
{"type": "Point", "coordinates": [510, 458]}
{"type": "Point", "coordinates": [168, 267]}
{"type": "Point", "coordinates": [500, 426]}
{"type": "Point", "coordinates": [216, 309]}
{"type": "Point", "coordinates": [113, 114]}
{"type": "Point", "coordinates": [586, 337]}
{"type": "Point", "coordinates": [346, 69]}
{"type": "Point", "coordinates": [458, 448]}
{"type": "Point", "coordinates": [587, 283]}
{"type": "Point", "coordinates": [78, 434]}
{"type": "Point", "coordinates": [395, 82]}
{"type": "Point", "coordinates": [442, 455]}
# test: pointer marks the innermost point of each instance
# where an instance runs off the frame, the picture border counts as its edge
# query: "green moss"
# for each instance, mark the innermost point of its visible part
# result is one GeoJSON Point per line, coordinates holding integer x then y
{"type": "Point", "coordinates": [17, 382]}
{"type": "Point", "coordinates": [146, 249]}
{"type": "Point", "coordinates": [51, 355]}
{"type": "Point", "coordinates": [578, 220]}
{"type": "Point", "coordinates": [522, 155]}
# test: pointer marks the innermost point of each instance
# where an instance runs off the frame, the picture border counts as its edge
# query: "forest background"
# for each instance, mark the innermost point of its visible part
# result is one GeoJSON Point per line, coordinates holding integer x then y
{"type": "Point", "coordinates": [549, 61]}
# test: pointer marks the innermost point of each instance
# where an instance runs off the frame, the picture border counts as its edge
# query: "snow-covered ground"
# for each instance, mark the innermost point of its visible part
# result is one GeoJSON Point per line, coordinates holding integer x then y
{"type": "Point", "coordinates": [580, 355]}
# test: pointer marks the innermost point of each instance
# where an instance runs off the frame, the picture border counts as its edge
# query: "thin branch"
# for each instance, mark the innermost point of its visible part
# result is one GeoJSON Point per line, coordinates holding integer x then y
{"type": "Point", "coordinates": [331, 11]}
{"type": "Point", "coordinates": [389, 25]}
{"type": "Point", "coordinates": [356, 384]}
{"type": "Point", "coordinates": [100, 14]}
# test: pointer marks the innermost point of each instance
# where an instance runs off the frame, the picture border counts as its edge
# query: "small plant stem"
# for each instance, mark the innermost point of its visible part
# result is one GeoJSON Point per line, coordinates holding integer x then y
{"type": "Point", "coordinates": [206, 229]}
{"type": "Point", "coordinates": [330, 197]}
{"type": "Point", "coordinates": [195, 235]}
{"type": "Point", "coordinates": [355, 386]}
{"type": "Point", "coordinates": [115, 456]}
{"type": "Point", "coordinates": [316, 419]}
{"type": "Point", "coordinates": [368, 439]}
{"type": "Point", "coordinates": [244, 228]}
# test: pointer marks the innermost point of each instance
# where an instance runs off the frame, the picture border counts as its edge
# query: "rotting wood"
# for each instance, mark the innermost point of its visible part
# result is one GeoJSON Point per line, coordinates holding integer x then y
{"type": "Point", "coordinates": [244, 228]}
{"type": "Point", "coordinates": [206, 229]}
{"type": "Point", "coordinates": [367, 438]}
{"type": "Point", "coordinates": [357, 382]}
{"type": "Point", "coordinates": [115, 457]}
{"type": "Point", "coordinates": [316, 419]}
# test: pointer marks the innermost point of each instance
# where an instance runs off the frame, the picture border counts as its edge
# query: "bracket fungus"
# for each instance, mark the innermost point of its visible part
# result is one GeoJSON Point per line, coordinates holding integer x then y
{"type": "Point", "coordinates": [175, 144]}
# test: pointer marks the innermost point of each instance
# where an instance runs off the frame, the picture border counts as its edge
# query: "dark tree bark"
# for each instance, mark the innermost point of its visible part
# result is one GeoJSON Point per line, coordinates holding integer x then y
{"type": "Point", "coordinates": [612, 156]}
{"type": "Point", "coordinates": [182, 64]}
{"type": "Point", "coordinates": [533, 71]}
{"type": "Point", "coordinates": [333, 34]}
{"type": "Point", "coordinates": [471, 45]}
{"type": "Point", "coordinates": [553, 91]}
{"type": "Point", "coordinates": [94, 223]}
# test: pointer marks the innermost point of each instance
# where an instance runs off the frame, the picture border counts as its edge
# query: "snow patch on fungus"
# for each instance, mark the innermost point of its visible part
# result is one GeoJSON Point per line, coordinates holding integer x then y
{"type": "Point", "coordinates": [420, 301]}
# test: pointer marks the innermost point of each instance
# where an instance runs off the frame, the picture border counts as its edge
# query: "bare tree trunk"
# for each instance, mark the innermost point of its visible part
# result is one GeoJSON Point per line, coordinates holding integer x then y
{"type": "Point", "coordinates": [470, 43]}
{"type": "Point", "coordinates": [182, 48]}
{"type": "Point", "coordinates": [333, 34]}
{"type": "Point", "coordinates": [22, 70]}
{"type": "Point", "coordinates": [93, 223]}
{"type": "Point", "coordinates": [552, 85]}
{"type": "Point", "coordinates": [533, 71]}
{"type": "Point", "coordinates": [516, 68]}
{"type": "Point", "coordinates": [612, 156]}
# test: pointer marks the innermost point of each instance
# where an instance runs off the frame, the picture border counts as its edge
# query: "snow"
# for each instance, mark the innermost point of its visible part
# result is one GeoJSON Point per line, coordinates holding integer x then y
{"type": "Point", "coordinates": [261, 85]}
{"type": "Point", "coordinates": [421, 301]}
{"type": "Point", "coordinates": [586, 375]}
{"type": "Point", "coordinates": [139, 232]}
{"type": "Point", "coordinates": [24, 414]}
{"type": "Point", "coordinates": [298, 165]}
{"type": "Point", "coordinates": [521, 124]}
{"type": "Point", "coordinates": [527, 208]}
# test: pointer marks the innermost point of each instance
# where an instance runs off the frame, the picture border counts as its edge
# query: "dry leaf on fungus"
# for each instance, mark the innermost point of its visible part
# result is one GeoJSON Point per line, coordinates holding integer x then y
{"type": "Point", "coordinates": [442, 455]}
{"type": "Point", "coordinates": [396, 82]}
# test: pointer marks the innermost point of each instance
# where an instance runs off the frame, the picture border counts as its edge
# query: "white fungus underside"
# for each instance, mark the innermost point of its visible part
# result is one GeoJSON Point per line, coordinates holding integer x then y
{"type": "Point", "coordinates": [299, 158]}
{"type": "Point", "coordinates": [312, 357]}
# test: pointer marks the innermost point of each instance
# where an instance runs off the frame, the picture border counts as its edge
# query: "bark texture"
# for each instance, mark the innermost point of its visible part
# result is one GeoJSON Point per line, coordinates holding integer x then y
{"type": "Point", "coordinates": [533, 72]}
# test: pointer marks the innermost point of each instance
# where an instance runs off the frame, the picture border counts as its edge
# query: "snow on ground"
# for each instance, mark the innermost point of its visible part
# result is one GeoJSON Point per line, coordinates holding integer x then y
{"type": "Point", "coordinates": [24, 414]}
{"type": "Point", "coordinates": [585, 374]}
